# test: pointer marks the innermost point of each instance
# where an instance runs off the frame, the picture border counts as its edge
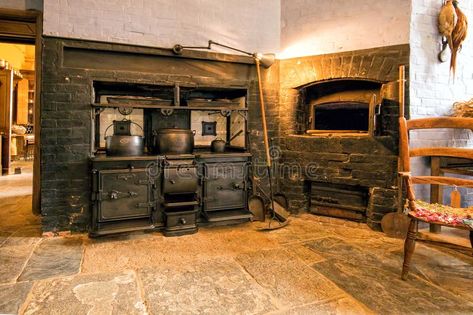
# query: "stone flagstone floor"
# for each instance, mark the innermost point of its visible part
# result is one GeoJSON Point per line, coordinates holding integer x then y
{"type": "Point", "coordinates": [315, 265]}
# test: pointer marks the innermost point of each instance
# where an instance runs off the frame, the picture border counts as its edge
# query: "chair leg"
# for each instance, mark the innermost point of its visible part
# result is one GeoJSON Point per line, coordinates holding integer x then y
{"type": "Point", "coordinates": [409, 246]}
{"type": "Point", "coordinates": [471, 241]}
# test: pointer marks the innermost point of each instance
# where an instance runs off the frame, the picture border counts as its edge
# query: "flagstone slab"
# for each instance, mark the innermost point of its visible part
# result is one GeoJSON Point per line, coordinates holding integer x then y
{"type": "Point", "coordinates": [54, 257]}
{"type": "Point", "coordinates": [115, 293]}
{"type": "Point", "coordinates": [217, 286]}
{"type": "Point", "coordinates": [13, 256]}
{"type": "Point", "coordinates": [287, 278]}
{"type": "Point", "coordinates": [448, 271]}
{"type": "Point", "coordinates": [12, 296]}
{"type": "Point", "coordinates": [340, 306]}
{"type": "Point", "coordinates": [304, 253]}
{"type": "Point", "coordinates": [376, 281]}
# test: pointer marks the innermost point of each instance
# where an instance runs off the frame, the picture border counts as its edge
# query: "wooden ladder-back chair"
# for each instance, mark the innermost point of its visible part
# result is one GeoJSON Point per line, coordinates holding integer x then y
{"type": "Point", "coordinates": [415, 210]}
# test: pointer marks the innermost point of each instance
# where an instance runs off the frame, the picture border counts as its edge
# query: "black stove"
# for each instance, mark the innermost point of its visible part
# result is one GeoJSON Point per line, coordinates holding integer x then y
{"type": "Point", "coordinates": [179, 200]}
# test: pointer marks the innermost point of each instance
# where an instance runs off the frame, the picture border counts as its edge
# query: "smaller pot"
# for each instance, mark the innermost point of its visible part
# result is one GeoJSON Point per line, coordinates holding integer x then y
{"type": "Point", "coordinates": [218, 145]}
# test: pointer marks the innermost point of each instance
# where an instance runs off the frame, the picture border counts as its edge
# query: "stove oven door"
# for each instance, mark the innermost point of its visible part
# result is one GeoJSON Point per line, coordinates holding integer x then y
{"type": "Point", "coordinates": [124, 194]}
{"type": "Point", "coordinates": [225, 186]}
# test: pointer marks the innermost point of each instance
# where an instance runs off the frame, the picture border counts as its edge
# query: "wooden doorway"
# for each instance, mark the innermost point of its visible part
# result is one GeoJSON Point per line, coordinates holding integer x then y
{"type": "Point", "coordinates": [25, 27]}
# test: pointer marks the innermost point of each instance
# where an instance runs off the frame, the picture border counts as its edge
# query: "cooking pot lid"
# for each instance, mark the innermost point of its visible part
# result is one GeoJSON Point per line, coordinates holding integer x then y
{"type": "Point", "coordinates": [219, 140]}
{"type": "Point", "coordinates": [174, 130]}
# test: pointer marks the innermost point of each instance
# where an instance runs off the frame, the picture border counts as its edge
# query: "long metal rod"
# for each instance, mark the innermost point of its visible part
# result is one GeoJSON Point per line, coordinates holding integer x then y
{"type": "Point", "coordinates": [402, 89]}
{"type": "Point", "coordinates": [263, 115]}
{"type": "Point", "coordinates": [402, 86]}
{"type": "Point", "coordinates": [211, 42]}
{"type": "Point", "coordinates": [265, 136]}
{"type": "Point", "coordinates": [209, 46]}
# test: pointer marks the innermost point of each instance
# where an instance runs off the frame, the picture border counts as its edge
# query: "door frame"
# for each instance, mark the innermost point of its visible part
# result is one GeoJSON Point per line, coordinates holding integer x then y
{"type": "Point", "coordinates": [32, 17]}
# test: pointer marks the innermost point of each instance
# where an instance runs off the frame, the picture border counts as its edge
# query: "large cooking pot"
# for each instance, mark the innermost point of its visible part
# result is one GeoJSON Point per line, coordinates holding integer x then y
{"type": "Point", "coordinates": [173, 141]}
{"type": "Point", "coordinates": [122, 143]}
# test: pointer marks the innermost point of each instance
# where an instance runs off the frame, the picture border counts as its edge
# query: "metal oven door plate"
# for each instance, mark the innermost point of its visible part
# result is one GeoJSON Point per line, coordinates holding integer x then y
{"type": "Point", "coordinates": [124, 194]}
{"type": "Point", "coordinates": [225, 186]}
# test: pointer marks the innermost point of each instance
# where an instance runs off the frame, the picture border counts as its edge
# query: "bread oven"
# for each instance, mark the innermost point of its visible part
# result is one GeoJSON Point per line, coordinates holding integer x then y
{"type": "Point", "coordinates": [342, 106]}
{"type": "Point", "coordinates": [338, 120]}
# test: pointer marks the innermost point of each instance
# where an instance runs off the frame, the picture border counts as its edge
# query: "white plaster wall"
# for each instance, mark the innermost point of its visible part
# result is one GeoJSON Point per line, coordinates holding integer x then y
{"type": "Point", "coordinates": [246, 24]}
{"type": "Point", "coordinates": [314, 27]}
{"type": "Point", "coordinates": [432, 90]}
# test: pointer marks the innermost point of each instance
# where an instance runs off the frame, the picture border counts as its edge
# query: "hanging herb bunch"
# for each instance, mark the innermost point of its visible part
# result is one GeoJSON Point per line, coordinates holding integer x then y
{"type": "Point", "coordinates": [453, 26]}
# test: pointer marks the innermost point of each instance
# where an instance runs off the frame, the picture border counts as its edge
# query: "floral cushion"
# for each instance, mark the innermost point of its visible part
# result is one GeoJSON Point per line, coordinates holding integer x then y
{"type": "Point", "coordinates": [436, 213]}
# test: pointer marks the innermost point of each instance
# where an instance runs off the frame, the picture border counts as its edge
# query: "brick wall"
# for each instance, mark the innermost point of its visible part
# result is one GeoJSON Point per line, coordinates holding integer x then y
{"type": "Point", "coordinates": [246, 24]}
{"type": "Point", "coordinates": [432, 91]}
{"type": "Point", "coordinates": [317, 27]}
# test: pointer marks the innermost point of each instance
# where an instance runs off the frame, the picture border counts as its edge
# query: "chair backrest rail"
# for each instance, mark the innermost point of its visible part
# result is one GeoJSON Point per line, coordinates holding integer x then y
{"type": "Point", "coordinates": [442, 180]}
{"type": "Point", "coordinates": [440, 122]}
{"type": "Point", "coordinates": [442, 151]}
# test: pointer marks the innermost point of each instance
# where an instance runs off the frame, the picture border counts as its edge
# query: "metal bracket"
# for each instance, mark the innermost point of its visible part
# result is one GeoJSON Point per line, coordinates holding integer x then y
{"type": "Point", "coordinates": [225, 112]}
{"type": "Point", "coordinates": [167, 111]}
{"type": "Point", "coordinates": [243, 113]}
{"type": "Point", "coordinates": [99, 110]}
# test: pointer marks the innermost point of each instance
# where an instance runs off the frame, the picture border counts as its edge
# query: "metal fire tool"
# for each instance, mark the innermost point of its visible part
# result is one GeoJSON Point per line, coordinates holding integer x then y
{"type": "Point", "coordinates": [395, 224]}
{"type": "Point", "coordinates": [278, 212]}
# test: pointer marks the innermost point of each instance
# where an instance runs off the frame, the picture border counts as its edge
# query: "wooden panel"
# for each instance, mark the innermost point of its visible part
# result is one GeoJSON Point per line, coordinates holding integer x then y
{"type": "Point", "coordinates": [22, 103]}
{"type": "Point", "coordinates": [17, 28]}
{"type": "Point", "coordinates": [6, 83]}
{"type": "Point", "coordinates": [436, 195]}
{"type": "Point", "coordinates": [404, 146]}
{"type": "Point", "coordinates": [442, 151]}
{"type": "Point", "coordinates": [440, 122]}
{"type": "Point", "coordinates": [149, 63]}
{"type": "Point", "coordinates": [442, 180]}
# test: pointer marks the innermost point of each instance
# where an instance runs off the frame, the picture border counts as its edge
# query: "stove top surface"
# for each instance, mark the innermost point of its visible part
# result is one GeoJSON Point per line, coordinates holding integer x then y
{"type": "Point", "coordinates": [179, 156]}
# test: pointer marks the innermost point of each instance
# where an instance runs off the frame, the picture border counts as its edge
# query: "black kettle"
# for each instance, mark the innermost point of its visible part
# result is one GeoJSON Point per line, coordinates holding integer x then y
{"type": "Point", "coordinates": [218, 145]}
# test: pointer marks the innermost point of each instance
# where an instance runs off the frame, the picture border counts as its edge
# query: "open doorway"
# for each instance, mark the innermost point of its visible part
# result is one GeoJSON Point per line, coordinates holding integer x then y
{"type": "Point", "coordinates": [20, 54]}
{"type": "Point", "coordinates": [17, 100]}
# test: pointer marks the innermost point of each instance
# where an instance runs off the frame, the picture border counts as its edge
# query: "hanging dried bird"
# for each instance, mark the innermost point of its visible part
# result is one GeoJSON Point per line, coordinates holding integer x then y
{"type": "Point", "coordinates": [447, 21]}
{"type": "Point", "coordinates": [458, 36]}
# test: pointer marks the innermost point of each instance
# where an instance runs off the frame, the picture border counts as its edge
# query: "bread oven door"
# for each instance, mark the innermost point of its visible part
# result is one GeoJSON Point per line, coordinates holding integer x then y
{"type": "Point", "coordinates": [124, 194]}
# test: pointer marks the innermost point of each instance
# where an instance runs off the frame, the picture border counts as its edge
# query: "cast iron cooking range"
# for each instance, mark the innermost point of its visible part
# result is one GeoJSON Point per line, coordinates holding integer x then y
{"type": "Point", "coordinates": [179, 191]}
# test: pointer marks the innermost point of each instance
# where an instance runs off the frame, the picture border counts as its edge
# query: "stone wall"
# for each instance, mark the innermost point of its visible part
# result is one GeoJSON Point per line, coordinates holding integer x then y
{"type": "Point", "coordinates": [318, 27]}
{"type": "Point", "coordinates": [69, 70]}
{"type": "Point", "coordinates": [245, 24]}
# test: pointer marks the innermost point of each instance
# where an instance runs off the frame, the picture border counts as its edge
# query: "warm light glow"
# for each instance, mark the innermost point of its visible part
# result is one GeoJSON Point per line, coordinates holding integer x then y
{"type": "Point", "coordinates": [299, 49]}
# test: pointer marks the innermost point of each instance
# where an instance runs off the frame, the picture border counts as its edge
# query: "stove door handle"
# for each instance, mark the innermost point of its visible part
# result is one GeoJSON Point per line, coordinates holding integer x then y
{"type": "Point", "coordinates": [115, 194]}
{"type": "Point", "coordinates": [239, 186]}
